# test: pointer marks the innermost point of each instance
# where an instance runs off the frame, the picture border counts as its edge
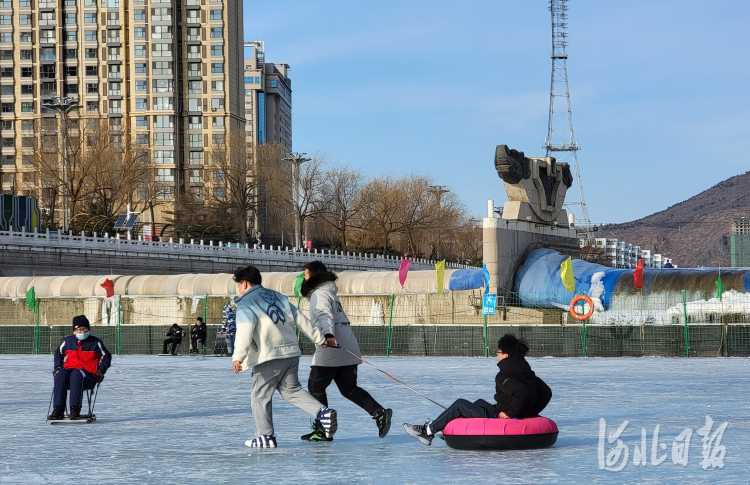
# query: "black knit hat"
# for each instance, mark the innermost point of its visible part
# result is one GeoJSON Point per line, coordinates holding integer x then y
{"type": "Point", "coordinates": [81, 321]}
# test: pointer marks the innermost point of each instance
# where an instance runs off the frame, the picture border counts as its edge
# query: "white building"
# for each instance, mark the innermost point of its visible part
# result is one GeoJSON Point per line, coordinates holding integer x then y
{"type": "Point", "coordinates": [623, 255]}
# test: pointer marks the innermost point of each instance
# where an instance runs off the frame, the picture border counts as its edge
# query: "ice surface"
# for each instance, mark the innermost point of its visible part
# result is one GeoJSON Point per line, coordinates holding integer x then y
{"type": "Point", "coordinates": [185, 419]}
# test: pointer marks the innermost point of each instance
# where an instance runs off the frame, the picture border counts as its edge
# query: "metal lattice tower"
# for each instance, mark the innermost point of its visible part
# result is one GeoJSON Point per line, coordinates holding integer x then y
{"type": "Point", "coordinates": [560, 134]}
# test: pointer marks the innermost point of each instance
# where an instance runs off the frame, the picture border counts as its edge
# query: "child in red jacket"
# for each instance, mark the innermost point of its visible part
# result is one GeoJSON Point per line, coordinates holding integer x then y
{"type": "Point", "coordinates": [80, 363]}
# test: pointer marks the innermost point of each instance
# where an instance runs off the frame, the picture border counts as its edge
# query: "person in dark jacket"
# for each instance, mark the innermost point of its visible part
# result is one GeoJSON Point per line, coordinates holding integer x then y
{"type": "Point", "coordinates": [198, 333]}
{"type": "Point", "coordinates": [80, 363]}
{"type": "Point", "coordinates": [174, 337]}
{"type": "Point", "coordinates": [519, 394]}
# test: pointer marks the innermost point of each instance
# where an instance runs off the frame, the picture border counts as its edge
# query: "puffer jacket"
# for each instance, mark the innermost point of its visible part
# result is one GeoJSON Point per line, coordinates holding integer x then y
{"type": "Point", "coordinates": [265, 328]}
{"type": "Point", "coordinates": [328, 315]}
{"type": "Point", "coordinates": [229, 317]}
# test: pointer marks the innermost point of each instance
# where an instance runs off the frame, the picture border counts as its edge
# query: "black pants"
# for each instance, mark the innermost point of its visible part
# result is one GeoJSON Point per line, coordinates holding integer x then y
{"type": "Point", "coordinates": [463, 409]}
{"type": "Point", "coordinates": [194, 341]}
{"type": "Point", "coordinates": [346, 380]}
{"type": "Point", "coordinates": [77, 381]}
{"type": "Point", "coordinates": [173, 341]}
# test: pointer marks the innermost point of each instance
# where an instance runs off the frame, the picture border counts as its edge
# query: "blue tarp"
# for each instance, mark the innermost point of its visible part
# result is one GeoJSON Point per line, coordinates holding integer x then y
{"type": "Point", "coordinates": [466, 279]}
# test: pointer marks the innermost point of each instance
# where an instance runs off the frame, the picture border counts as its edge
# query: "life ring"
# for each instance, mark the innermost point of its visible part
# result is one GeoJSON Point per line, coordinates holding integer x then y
{"type": "Point", "coordinates": [500, 434]}
{"type": "Point", "coordinates": [577, 315]}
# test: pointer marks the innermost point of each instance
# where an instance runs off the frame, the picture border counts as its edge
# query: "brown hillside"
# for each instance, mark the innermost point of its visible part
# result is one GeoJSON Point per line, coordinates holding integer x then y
{"type": "Point", "coordinates": [694, 232]}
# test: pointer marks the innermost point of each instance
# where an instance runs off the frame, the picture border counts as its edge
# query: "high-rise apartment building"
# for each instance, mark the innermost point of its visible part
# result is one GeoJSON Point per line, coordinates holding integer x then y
{"type": "Point", "coordinates": [268, 115]}
{"type": "Point", "coordinates": [268, 98]}
{"type": "Point", "coordinates": [167, 73]}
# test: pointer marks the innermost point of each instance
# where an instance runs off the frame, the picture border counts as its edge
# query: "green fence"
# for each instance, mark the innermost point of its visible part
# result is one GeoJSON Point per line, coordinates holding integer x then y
{"type": "Point", "coordinates": [403, 324]}
{"type": "Point", "coordinates": [432, 340]}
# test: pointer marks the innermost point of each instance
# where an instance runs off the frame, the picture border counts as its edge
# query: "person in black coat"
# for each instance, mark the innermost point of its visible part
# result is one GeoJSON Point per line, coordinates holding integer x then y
{"type": "Point", "coordinates": [198, 333]}
{"type": "Point", "coordinates": [519, 393]}
{"type": "Point", "coordinates": [174, 337]}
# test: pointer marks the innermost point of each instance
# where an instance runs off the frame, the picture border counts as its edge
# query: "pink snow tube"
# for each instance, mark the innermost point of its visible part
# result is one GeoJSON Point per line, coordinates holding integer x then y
{"type": "Point", "coordinates": [500, 434]}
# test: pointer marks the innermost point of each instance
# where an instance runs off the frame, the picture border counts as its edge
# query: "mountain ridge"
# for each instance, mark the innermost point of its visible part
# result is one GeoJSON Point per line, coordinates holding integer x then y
{"type": "Point", "coordinates": [694, 232]}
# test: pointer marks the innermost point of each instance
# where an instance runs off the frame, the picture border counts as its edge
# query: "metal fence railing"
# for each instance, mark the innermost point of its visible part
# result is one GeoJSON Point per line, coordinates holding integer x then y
{"type": "Point", "coordinates": [425, 324]}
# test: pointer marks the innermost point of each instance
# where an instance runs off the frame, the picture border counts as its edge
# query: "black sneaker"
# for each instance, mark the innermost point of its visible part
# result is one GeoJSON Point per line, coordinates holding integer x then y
{"type": "Point", "coordinates": [58, 413]}
{"type": "Point", "coordinates": [318, 433]}
{"type": "Point", "coordinates": [420, 432]}
{"type": "Point", "coordinates": [75, 413]}
{"type": "Point", "coordinates": [382, 419]}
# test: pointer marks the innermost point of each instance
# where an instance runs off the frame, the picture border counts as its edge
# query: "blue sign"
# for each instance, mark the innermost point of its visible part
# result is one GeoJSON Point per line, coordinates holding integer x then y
{"type": "Point", "coordinates": [489, 303]}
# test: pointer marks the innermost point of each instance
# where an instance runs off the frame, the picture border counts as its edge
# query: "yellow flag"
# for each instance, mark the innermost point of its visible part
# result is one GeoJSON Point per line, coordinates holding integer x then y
{"type": "Point", "coordinates": [566, 273]}
{"type": "Point", "coordinates": [440, 269]}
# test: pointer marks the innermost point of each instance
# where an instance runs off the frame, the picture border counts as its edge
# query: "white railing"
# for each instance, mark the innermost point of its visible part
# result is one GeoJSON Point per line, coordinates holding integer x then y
{"type": "Point", "coordinates": [161, 249]}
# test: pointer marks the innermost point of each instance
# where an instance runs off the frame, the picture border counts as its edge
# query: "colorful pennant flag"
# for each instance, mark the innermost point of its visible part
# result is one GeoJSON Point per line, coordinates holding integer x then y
{"type": "Point", "coordinates": [298, 285]}
{"type": "Point", "coordinates": [403, 270]}
{"type": "Point", "coordinates": [109, 287]}
{"type": "Point", "coordinates": [566, 274]}
{"type": "Point", "coordinates": [486, 277]}
{"type": "Point", "coordinates": [31, 299]}
{"type": "Point", "coordinates": [440, 269]}
{"type": "Point", "coordinates": [638, 275]}
{"type": "Point", "coordinates": [719, 287]}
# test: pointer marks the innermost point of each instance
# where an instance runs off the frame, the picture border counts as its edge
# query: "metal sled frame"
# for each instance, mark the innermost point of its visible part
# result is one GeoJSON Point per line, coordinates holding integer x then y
{"type": "Point", "coordinates": [85, 418]}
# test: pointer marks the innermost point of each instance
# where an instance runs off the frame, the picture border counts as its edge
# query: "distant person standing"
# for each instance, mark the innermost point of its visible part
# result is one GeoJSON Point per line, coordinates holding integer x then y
{"type": "Point", "coordinates": [335, 365]}
{"type": "Point", "coordinates": [198, 333]}
{"type": "Point", "coordinates": [229, 323]}
{"type": "Point", "coordinates": [267, 343]}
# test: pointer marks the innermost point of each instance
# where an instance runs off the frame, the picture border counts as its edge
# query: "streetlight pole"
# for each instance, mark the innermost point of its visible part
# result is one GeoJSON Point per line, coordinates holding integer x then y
{"type": "Point", "coordinates": [438, 191]}
{"type": "Point", "coordinates": [297, 159]}
{"type": "Point", "coordinates": [63, 106]}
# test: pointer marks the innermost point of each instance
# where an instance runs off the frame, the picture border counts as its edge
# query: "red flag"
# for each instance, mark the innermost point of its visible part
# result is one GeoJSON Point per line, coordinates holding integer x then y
{"type": "Point", "coordinates": [109, 287]}
{"type": "Point", "coordinates": [638, 275]}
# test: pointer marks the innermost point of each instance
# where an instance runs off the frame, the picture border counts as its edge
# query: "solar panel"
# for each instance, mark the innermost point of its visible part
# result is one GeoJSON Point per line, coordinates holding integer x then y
{"type": "Point", "coordinates": [120, 221]}
{"type": "Point", "coordinates": [132, 221]}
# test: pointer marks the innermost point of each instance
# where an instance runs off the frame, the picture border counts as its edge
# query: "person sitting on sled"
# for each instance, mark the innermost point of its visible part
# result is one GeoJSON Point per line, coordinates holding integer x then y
{"type": "Point", "coordinates": [519, 394]}
{"type": "Point", "coordinates": [80, 363]}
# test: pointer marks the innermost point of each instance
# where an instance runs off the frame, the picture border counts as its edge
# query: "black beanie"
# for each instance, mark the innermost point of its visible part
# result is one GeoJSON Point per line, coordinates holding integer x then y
{"type": "Point", "coordinates": [81, 321]}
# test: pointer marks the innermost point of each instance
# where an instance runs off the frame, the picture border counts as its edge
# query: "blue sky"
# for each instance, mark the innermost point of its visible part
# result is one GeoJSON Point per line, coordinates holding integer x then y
{"type": "Point", "coordinates": [659, 91]}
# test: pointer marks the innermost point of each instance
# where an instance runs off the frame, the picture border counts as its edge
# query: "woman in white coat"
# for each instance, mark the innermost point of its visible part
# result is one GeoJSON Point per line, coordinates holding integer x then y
{"type": "Point", "coordinates": [332, 364]}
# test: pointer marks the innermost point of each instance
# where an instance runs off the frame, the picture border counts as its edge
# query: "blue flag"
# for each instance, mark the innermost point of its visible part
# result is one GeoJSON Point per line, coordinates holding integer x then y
{"type": "Point", "coordinates": [486, 276]}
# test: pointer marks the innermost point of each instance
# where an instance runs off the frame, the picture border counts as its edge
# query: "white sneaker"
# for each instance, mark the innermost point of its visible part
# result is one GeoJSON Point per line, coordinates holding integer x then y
{"type": "Point", "coordinates": [262, 441]}
{"type": "Point", "coordinates": [327, 418]}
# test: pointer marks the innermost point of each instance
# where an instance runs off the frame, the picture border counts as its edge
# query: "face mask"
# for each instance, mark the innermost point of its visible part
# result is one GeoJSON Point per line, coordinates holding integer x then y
{"type": "Point", "coordinates": [82, 336]}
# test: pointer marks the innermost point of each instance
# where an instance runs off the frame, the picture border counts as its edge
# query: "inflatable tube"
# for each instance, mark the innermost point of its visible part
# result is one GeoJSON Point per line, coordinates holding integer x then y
{"type": "Point", "coordinates": [577, 315]}
{"type": "Point", "coordinates": [500, 434]}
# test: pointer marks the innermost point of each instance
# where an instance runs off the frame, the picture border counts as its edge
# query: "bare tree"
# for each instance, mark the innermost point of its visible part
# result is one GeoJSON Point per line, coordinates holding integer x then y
{"type": "Point", "coordinates": [382, 214]}
{"type": "Point", "coordinates": [342, 198]}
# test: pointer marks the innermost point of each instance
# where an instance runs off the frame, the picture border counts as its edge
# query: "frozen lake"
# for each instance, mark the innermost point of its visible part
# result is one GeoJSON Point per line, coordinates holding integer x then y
{"type": "Point", "coordinates": [185, 420]}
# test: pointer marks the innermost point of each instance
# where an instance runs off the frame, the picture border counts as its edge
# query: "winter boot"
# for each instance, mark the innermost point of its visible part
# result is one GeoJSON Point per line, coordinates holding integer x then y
{"type": "Point", "coordinates": [420, 432]}
{"type": "Point", "coordinates": [58, 413]}
{"type": "Point", "coordinates": [327, 418]}
{"type": "Point", "coordinates": [318, 433]}
{"type": "Point", "coordinates": [75, 413]}
{"type": "Point", "coordinates": [382, 419]}
{"type": "Point", "coordinates": [262, 441]}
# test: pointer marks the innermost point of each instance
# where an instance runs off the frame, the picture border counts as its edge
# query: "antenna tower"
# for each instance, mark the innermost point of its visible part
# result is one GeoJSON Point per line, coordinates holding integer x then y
{"type": "Point", "coordinates": [560, 134]}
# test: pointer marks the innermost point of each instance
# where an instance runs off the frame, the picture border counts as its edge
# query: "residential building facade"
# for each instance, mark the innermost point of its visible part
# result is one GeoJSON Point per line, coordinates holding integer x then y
{"type": "Point", "coordinates": [268, 115]}
{"type": "Point", "coordinates": [740, 242]}
{"type": "Point", "coordinates": [165, 73]}
{"type": "Point", "coordinates": [623, 255]}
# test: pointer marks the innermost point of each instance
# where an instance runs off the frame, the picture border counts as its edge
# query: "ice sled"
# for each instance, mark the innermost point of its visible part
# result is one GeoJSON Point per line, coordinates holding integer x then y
{"type": "Point", "coordinates": [500, 434]}
{"type": "Point", "coordinates": [89, 417]}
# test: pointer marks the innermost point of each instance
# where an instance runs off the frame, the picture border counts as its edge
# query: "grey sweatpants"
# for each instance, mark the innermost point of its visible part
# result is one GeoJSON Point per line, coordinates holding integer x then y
{"type": "Point", "coordinates": [278, 375]}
